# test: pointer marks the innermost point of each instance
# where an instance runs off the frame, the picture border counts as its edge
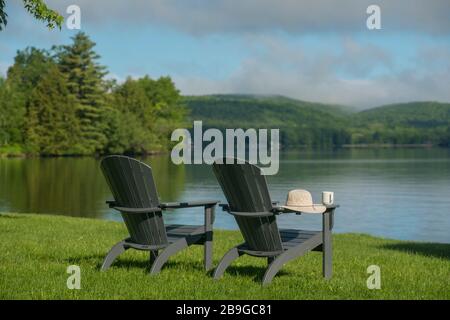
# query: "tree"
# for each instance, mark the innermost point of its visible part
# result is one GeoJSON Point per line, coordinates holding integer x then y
{"type": "Point", "coordinates": [133, 110]}
{"type": "Point", "coordinates": [12, 115]}
{"type": "Point", "coordinates": [38, 9]}
{"type": "Point", "coordinates": [23, 76]}
{"type": "Point", "coordinates": [51, 125]}
{"type": "Point", "coordinates": [147, 111]}
{"type": "Point", "coordinates": [78, 62]}
{"type": "Point", "coordinates": [29, 65]}
{"type": "Point", "coordinates": [166, 111]}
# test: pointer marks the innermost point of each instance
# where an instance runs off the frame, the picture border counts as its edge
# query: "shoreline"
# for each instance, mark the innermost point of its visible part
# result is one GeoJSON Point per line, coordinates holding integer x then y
{"type": "Point", "coordinates": [156, 153]}
{"type": "Point", "coordinates": [28, 156]}
{"type": "Point", "coordinates": [389, 145]}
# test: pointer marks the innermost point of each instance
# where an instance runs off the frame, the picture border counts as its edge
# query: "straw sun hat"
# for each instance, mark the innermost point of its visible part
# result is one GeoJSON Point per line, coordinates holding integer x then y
{"type": "Point", "coordinates": [301, 201]}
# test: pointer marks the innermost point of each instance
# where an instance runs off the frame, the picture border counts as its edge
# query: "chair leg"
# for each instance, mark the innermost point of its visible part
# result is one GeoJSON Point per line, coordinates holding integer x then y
{"type": "Point", "coordinates": [115, 251]}
{"type": "Point", "coordinates": [227, 259]}
{"type": "Point", "coordinates": [162, 258]}
{"type": "Point", "coordinates": [287, 256]}
{"type": "Point", "coordinates": [273, 268]}
{"type": "Point", "coordinates": [327, 249]}
{"type": "Point", "coordinates": [208, 251]}
{"type": "Point", "coordinates": [208, 245]}
{"type": "Point", "coordinates": [153, 256]}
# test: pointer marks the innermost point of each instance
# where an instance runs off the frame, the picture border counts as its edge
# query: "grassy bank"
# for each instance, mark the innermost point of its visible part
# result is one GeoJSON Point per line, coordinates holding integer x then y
{"type": "Point", "coordinates": [36, 250]}
{"type": "Point", "coordinates": [12, 151]}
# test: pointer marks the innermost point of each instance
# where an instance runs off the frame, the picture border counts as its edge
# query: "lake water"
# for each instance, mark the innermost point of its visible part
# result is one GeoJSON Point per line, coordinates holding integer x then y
{"type": "Point", "coordinates": [395, 193]}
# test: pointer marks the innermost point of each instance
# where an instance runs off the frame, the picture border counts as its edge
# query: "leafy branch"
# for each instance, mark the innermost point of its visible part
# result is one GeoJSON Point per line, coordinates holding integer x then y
{"type": "Point", "coordinates": [39, 10]}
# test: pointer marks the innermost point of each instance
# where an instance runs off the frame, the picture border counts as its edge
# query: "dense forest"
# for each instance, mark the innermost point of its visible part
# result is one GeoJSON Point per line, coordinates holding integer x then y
{"type": "Point", "coordinates": [318, 125]}
{"type": "Point", "coordinates": [300, 123]}
{"type": "Point", "coordinates": [58, 102]}
{"type": "Point", "coordinates": [406, 123]}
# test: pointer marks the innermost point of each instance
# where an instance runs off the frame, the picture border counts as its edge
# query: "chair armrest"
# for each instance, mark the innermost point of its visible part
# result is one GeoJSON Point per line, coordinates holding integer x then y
{"type": "Point", "coordinates": [275, 210]}
{"type": "Point", "coordinates": [110, 203]}
{"type": "Point", "coordinates": [252, 214]}
{"type": "Point", "coordinates": [329, 209]}
{"type": "Point", "coordinates": [136, 210]}
{"type": "Point", "coordinates": [279, 210]}
{"type": "Point", "coordinates": [189, 204]}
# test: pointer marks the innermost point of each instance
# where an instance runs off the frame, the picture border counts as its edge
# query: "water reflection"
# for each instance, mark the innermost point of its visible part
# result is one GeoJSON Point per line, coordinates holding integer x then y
{"type": "Point", "coordinates": [71, 186]}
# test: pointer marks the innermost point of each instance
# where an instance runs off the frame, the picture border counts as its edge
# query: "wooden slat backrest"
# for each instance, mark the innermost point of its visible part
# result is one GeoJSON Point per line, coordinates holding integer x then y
{"type": "Point", "coordinates": [132, 185]}
{"type": "Point", "coordinates": [246, 191]}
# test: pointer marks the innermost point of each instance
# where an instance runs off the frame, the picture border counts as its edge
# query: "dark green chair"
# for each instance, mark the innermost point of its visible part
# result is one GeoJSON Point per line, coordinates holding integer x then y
{"type": "Point", "coordinates": [135, 197]}
{"type": "Point", "coordinates": [246, 191]}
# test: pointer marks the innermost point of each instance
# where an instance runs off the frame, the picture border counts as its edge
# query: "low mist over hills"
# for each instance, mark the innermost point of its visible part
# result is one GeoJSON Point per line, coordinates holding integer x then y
{"type": "Point", "coordinates": [311, 124]}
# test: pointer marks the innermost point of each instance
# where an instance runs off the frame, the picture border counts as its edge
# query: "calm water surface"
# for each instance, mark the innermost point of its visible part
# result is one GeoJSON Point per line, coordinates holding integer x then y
{"type": "Point", "coordinates": [395, 193]}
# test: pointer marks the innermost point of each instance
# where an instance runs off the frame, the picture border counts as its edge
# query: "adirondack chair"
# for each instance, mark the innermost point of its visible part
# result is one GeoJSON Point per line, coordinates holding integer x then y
{"type": "Point", "coordinates": [246, 191]}
{"type": "Point", "coordinates": [136, 198]}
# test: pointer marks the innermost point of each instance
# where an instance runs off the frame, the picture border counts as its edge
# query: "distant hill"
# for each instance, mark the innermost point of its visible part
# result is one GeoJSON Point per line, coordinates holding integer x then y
{"type": "Point", "coordinates": [413, 114]}
{"type": "Point", "coordinates": [203, 103]}
{"type": "Point", "coordinates": [406, 123]}
{"type": "Point", "coordinates": [303, 123]}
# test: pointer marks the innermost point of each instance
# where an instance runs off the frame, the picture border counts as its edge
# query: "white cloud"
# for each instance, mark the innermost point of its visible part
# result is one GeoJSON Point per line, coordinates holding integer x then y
{"type": "Point", "coordinates": [350, 73]}
{"type": "Point", "coordinates": [252, 16]}
{"type": "Point", "coordinates": [331, 77]}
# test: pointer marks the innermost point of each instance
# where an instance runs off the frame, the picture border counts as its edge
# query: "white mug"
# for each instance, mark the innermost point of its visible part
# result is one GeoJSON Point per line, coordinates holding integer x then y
{"type": "Point", "coordinates": [327, 197]}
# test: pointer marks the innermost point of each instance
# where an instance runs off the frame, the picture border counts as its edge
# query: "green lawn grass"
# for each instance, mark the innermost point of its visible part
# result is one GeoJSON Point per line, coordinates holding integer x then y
{"type": "Point", "coordinates": [35, 251]}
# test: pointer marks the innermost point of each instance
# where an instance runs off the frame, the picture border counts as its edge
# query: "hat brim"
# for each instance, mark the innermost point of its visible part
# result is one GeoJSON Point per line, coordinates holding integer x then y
{"type": "Point", "coordinates": [315, 208]}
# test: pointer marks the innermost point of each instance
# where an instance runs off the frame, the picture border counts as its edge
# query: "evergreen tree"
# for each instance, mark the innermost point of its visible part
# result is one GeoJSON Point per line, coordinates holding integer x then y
{"type": "Point", "coordinates": [85, 81]}
{"type": "Point", "coordinates": [52, 125]}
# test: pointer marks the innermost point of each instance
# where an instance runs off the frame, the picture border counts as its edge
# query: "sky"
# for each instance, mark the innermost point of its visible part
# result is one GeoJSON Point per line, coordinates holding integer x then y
{"type": "Point", "coordinates": [314, 50]}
